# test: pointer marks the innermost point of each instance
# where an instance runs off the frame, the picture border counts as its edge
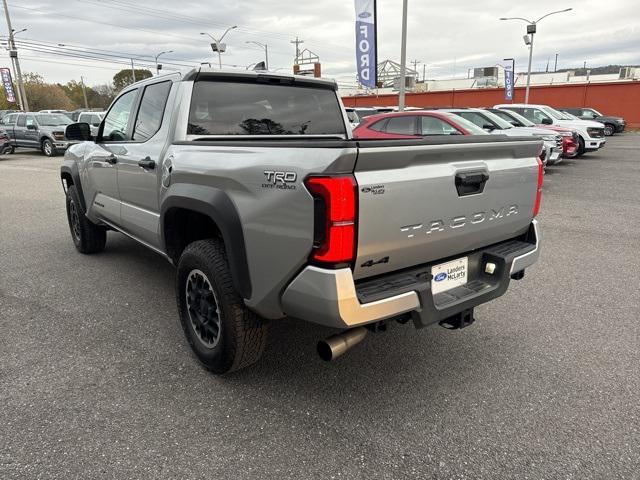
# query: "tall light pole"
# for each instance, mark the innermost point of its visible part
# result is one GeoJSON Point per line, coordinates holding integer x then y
{"type": "Point", "coordinates": [528, 39]}
{"type": "Point", "coordinates": [403, 57]}
{"type": "Point", "coordinates": [158, 67]}
{"type": "Point", "coordinates": [218, 43]}
{"type": "Point", "coordinates": [266, 52]}
{"type": "Point", "coordinates": [13, 53]}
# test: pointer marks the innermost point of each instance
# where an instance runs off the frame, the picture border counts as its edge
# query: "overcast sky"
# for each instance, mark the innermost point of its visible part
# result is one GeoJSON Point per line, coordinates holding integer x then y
{"type": "Point", "coordinates": [449, 37]}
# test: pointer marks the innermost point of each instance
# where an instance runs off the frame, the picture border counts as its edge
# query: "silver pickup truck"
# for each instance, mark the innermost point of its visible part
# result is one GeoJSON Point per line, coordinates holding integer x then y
{"type": "Point", "coordinates": [253, 187]}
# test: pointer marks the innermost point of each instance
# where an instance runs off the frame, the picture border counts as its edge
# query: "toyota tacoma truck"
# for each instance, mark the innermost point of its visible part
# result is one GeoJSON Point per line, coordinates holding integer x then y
{"type": "Point", "coordinates": [253, 187]}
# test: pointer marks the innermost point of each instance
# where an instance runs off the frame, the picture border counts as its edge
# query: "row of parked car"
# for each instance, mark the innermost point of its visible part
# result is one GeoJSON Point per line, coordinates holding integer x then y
{"type": "Point", "coordinates": [566, 133]}
{"type": "Point", "coordinates": [44, 130]}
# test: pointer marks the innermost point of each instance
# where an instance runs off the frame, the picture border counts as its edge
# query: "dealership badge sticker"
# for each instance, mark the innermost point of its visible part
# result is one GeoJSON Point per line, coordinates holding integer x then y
{"type": "Point", "coordinates": [366, 54]}
{"type": "Point", "coordinates": [508, 83]}
{"type": "Point", "coordinates": [8, 84]}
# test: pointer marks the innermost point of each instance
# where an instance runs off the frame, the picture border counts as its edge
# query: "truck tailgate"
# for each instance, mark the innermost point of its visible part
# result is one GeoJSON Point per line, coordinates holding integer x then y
{"type": "Point", "coordinates": [430, 200]}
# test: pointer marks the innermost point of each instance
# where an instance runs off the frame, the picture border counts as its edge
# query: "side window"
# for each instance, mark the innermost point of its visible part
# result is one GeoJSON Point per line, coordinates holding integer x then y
{"type": "Point", "coordinates": [21, 120]}
{"type": "Point", "coordinates": [9, 120]}
{"type": "Point", "coordinates": [588, 114]}
{"type": "Point", "coordinates": [115, 125]}
{"type": "Point", "coordinates": [404, 125]}
{"type": "Point", "coordinates": [30, 121]}
{"type": "Point", "coordinates": [151, 111]}
{"type": "Point", "coordinates": [435, 126]}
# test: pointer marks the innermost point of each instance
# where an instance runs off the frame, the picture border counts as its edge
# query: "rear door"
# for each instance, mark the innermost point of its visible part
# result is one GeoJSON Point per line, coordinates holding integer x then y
{"type": "Point", "coordinates": [439, 198]}
{"type": "Point", "coordinates": [139, 166]}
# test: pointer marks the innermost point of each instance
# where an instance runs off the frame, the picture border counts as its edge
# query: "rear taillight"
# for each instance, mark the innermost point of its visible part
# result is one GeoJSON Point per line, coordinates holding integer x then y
{"type": "Point", "coordinates": [335, 218]}
{"type": "Point", "coordinates": [536, 206]}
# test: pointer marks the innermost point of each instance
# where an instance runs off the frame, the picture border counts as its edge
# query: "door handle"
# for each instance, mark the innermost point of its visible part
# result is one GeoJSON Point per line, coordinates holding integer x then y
{"type": "Point", "coordinates": [147, 163]}
{"type": "Point", "coordinates": [112, 159]}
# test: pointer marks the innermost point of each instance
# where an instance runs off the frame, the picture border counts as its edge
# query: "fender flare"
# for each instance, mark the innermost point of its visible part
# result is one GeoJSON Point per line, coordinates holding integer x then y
{"type": "Point", "coordinates": [215, 204]}
{"type": "Point", "coordinates": [72, 170]}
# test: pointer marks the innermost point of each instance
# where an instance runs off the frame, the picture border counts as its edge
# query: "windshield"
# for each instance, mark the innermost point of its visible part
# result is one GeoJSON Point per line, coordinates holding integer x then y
{"type": "Point", "coordinates": [471, 127]}
{"type": "Point", "coordinates": [53, 119]}
{"type": "Point", "coordinates": [514, 117]}
{"type": "Point", "coordinates": [502, 123]}
{"type": "Point", "coordinates": [366, 112]}
{"type": "Point", "coordinates": [558, 115]}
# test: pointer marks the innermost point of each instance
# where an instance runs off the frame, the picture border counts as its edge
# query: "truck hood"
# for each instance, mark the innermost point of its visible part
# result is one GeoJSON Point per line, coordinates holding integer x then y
{"type": "Point", "coordinates": [581, 123]}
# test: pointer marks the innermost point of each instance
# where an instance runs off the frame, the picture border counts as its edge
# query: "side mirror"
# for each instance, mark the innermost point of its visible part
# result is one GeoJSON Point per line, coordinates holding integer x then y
{"type": "Point", "coordinates": [488, 127]}
{"type": "Point", "coordinates": [31, 127]}
{"type": "Point", "coordinates": [547, 121]}
{"type": "Point", "coordinates": [78, 132]}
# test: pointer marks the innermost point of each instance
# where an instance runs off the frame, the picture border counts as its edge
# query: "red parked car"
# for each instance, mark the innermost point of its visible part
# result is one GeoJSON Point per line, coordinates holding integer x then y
{"type": "Point", "coordinates": [415, 124]}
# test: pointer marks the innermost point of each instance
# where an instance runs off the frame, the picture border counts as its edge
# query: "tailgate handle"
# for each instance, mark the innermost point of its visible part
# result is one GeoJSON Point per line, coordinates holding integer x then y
{"type": "Point", "coordinates": [471, 183]}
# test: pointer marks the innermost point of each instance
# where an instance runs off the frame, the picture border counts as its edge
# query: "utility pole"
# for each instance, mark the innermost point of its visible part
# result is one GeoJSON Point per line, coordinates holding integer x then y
{"type": "Point", "coordinates": [133, 72]}
{"type": "Point", "coordinates": [13, 52]}
{"type": "Point", "coordinates": [403, 57]}
{"type": "Point", "coordinates": [297, 42]}
{"type": "Point", "coordinates": [415, 67]}
{"type": "Point", "coordinates": [555, 66]}
{"type": "Point", "coordinates": [84, 93]}
{"type": "Point", "coordinates": [424, 72]}
{"type": "Point", "coordinates": [547, 70]}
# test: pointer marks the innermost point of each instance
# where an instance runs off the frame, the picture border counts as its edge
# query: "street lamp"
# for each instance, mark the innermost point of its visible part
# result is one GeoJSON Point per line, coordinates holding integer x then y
{"type": "Point", "coordinates": [528, 40]}
{"type": "Point", "coordinates": [217, 46]}
{"type": "Point", "coordinates": [158, 67]}
{"type": "Point", "coordinates": [266, 52]}
{"type": "Point", "coordinates": [19, 31]}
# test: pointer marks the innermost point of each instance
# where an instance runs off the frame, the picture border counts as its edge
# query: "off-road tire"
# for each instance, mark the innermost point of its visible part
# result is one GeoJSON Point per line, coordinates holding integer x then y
{"type": "Point", "coordinates": [87, 236]}
{"type": "Point", "coordinates": [242, 334]}
{"type": "Point", "coordinates": [48, 149]}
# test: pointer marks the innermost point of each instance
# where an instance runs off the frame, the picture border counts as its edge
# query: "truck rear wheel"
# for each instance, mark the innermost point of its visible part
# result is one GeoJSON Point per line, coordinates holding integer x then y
{"type": "Point", "coordinates": [87, 236]}
{"type": "Point", "coordinates": [223, 333]}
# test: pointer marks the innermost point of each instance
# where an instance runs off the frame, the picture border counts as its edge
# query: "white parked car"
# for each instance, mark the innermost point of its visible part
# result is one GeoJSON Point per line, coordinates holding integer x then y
{"type": "Point", "coordinates": [590, 133]}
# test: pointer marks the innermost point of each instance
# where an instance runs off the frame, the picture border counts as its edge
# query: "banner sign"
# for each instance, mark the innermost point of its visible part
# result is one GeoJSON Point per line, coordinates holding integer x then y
{"type": "Point", "coordinates": [8, 84]}
{"type": "Point", "coordinates": [508, 83]}
{"type": "Point", "coordinates": [366, 51]}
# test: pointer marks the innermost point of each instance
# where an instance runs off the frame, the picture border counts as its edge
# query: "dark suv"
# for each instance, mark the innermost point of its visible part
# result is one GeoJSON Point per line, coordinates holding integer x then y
{"type": "Point", "coordinates": [612, 125]}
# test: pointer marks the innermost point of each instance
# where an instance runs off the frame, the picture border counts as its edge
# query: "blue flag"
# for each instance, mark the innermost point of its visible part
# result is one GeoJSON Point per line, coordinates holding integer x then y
{"type": "Point", "coordinates": [366, 55]}
{"type": "Point", "coordinates": [508, 83]}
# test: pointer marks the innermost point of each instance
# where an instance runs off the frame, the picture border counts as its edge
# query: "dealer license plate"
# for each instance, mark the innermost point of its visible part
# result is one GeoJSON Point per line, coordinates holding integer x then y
{"type": "Point", "coordinates": [449, 275]}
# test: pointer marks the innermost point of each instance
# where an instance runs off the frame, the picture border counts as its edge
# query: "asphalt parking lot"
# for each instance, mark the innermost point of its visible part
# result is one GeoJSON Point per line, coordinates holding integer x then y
{"type": "Point", "coordinates": [97, 380]}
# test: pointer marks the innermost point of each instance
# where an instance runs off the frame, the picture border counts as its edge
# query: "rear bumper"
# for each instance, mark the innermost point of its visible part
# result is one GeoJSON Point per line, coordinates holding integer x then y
{"type": "Point", "coordinates": [332, 298]}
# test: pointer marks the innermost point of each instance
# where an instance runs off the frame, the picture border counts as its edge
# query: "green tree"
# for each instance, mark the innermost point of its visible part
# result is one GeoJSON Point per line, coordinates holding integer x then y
{"type": "Point", "coordinates": [123, 78]}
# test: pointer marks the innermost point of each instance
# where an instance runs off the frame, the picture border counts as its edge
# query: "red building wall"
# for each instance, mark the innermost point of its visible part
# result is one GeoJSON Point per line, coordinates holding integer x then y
{"type": "Point", "coordinates": [616, 98]}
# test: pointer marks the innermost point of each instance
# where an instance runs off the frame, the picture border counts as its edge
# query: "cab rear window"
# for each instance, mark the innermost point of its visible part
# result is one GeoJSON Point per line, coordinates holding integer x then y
{"type": "Point", "coordinates": [238, 108]}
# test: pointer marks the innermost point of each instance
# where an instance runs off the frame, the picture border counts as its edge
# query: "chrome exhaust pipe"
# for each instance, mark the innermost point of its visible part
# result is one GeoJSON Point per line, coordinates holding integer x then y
{"type": "Point", "coordinates": [336, 345]}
